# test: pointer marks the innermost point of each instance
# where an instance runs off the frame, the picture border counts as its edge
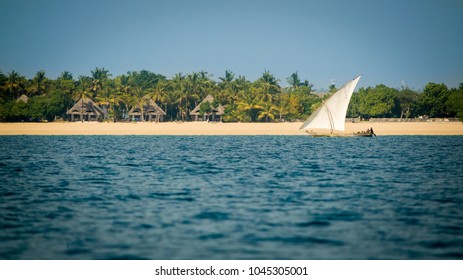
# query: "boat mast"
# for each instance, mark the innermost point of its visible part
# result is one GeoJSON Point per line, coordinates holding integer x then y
{"type": "Point", "coordinates": [330, 117]}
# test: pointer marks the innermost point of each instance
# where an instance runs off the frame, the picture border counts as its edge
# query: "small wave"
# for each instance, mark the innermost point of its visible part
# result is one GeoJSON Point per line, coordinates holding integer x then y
{"type": "Point", "coordinates": [129, 196]}
{"type": "Point", "coordinates": [314, 224]}
{"type": "Point", "coordinates": [129, 164]}
{"type": "Point", "coordinates": [144, 226]}
{"type": "Point", "coordinates": [299, 240]}
{"type": "Point", "coordinates": [453, 230]}
{"type": "Point", "coordinates": [442, 244]}
{"type": "Point", "coordinates": [9, 225]}
{"type": "Point", "coordinates": [341, 216]}
{"type": "Point", "coordinates": [8, 193]}
{"type": "Point", "coordinates": [90, 198]}
{"type": "Point", "coordinates": [178, 196]}
{"type": "Point", "coordinates": [409, 221]}
{"type": "Point", "coordinates": [93, 156]}
{"type": "Point", "coordinates": [211, 236]}
{"type": "Point", "coordinates": [215, 216]}
{"type": "Point", "coordinates": [77, 251]}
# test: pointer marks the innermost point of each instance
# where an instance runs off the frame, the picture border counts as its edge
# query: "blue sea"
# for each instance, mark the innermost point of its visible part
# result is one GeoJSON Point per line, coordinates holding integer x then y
{"type": "Point", "coordinates": [231, 197]}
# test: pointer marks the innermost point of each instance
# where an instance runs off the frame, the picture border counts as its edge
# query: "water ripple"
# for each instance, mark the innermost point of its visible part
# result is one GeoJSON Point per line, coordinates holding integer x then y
{"type": "Point", "coordinates": [230, 197]}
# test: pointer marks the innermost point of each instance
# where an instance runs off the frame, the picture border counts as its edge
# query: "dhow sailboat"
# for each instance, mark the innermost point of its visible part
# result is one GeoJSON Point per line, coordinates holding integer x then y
{"type": "Point", "coordinates": [329, 119]}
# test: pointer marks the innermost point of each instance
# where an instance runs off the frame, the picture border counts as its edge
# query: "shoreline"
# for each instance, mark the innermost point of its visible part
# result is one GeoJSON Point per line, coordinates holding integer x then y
{"type": "Point", "coordinates": [204, 128]}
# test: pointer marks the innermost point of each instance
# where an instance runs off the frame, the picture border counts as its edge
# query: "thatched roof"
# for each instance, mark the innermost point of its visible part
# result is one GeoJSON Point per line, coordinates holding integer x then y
{"type": "Point", "coordinates": [219, 110]}
{"type": "Point", "coordinates": [23, 98]}
{"type": "Point", "coordinates": [85, 106]}
{"type": "Point", "coordinates": [151, 108]}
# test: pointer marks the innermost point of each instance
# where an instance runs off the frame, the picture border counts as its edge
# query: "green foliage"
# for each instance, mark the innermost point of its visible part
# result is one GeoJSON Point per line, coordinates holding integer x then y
{"type": "Point", "coordinates": [294, 80]}
{"type": "Point", "coordinates": [49, 107]}
{"type": "Point", "coordinates": [261, 100]}
{"type": "Point", "coordinates": [19, 111]}
{"type": "Point", "coordinates": [66, 83]}
{"type": "Point", "coordinates": [405, 103]}
{"type": "Point", "coordinates": [250, 103]}
{"type": "Point", "coordinates": [39, 84]}
{"type": "Point", "coordinates": [332, 88]}
{"type": "Point", "coordinates": [145, 79]}
{"type": "Point", "coordinates": [267, 112]}
{"type": "Point", "coordinates": [377, 102]}
{"type": "Point", "coordinates": [455, 102]}
{"type": "Point", "coordinates": [14, 85]}
{"type": "Point", "coordinates": [2, 79]}
{"type": "Point", "coordinates": [205, 108]}
{"type": "Point", "coordinates": [432, 102]}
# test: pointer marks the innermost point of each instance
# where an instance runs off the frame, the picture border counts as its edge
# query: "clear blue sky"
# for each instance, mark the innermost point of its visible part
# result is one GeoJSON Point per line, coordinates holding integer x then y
{"type": "Point", "coordinates": [386, 41]}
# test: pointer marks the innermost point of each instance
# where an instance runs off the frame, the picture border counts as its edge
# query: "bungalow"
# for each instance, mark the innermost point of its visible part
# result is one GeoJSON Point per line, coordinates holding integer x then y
{"type": "Point", "coordinates": [213, 113]}
{"type": "Point", "coordinates": [86, 110]}
{"type": "Point", "coordinates": [151, 112]}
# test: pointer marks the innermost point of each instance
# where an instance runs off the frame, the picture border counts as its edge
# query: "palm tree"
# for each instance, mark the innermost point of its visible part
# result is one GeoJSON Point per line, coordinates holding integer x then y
{"type": "Point", "coordinates": [268, 111]}
{"type": "Point", "coordinates": [14, 84]}
{"type": "Point", "coordinates": [100, 79]}
{"type": "Point", "coordinates": [66, 75]}
{"type": "Point", "coordinates": [282, 105]}
{"type": "Point", "coordinates": [100, 74]}
{"type": "Point", "coordinates": [269, 84]}
{"type": "Point", "coordinates": [38, 85]}
{"type": "Point", "coordinates": [294, 80]}
{"type": "Point", "coordinates": [170, 99]}
{"type": "Point", "coordinates": [158, 92]}
{"type": "Point", "coordinates": [124, 93]}
{"type": "Point", "coordinates": [193, 87]}
{"type": "Point", "coordinates": [141, 99]}
{"type": "Point", "coordinates": [206, 84]}
{"type": "Point", "coordinates": [110, 97]}
{"type": "Point", "coordinates": [231, 93]}
{"type": "Point", "coordinates": [225, 88]}
{"type": "Point", "coordinates": [265, 91]}
{"type": "Point", "coordinates": [83, 92]}
{"type": "Point", "coordinates": [203, 75]}
{"type": "Point", "coordinates": [268, 77]}
{"type": "Point", "coordinates": [83, 88]}
{"type": "Point", "coordinates": [178, 86]}
{"type": "Point", "coordinates": [307, 84]}
{"type": "Point", "coordinates": [65, 83]}
{"type": "Point", "coordinates": [250, 103]}
{"type": "Point", "coordinates": [241, 83]}
{"type": "Point", "coordinates": [228, 78]}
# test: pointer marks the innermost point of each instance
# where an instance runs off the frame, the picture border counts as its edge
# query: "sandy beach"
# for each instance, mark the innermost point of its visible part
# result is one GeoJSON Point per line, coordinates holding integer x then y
{"type": "Point", "coordinates": [204, 128]}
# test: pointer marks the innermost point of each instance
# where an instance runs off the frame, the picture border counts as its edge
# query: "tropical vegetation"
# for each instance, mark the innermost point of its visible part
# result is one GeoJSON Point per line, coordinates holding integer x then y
{"type": "Point", "coordinates": [263, 100]}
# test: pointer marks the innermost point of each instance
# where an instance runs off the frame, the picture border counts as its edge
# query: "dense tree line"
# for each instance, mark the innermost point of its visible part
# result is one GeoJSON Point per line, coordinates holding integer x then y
{"type": "Point", "coordinates": [262, 100]}
{"type": "Point", "coordinates": [436, 101]}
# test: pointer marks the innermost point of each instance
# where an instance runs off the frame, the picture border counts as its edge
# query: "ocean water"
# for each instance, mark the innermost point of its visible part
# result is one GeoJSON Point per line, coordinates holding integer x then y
{"type": "Point", "coordinates": [231, 197]}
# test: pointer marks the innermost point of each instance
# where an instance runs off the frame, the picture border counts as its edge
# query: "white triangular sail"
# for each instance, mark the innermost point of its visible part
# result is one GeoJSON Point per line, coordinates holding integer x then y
{"type": "Point", "coordinates": [332, 113]}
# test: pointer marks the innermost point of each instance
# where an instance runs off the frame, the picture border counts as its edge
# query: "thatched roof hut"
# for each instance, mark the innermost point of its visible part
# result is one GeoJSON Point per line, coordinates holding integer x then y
{"type": "Point", "coordinates": [24, 98]}
{"type": "Point", "coordinates": [151, 112]}
{"type": "Point", "coordinates": [215, 113]}
{"type": "Point", "coordinates": [86, 110]}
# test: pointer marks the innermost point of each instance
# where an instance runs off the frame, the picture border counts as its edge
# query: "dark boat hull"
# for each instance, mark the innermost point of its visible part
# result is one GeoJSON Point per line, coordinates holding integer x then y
{"type": "Point", "coordinates": [358, 134]}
